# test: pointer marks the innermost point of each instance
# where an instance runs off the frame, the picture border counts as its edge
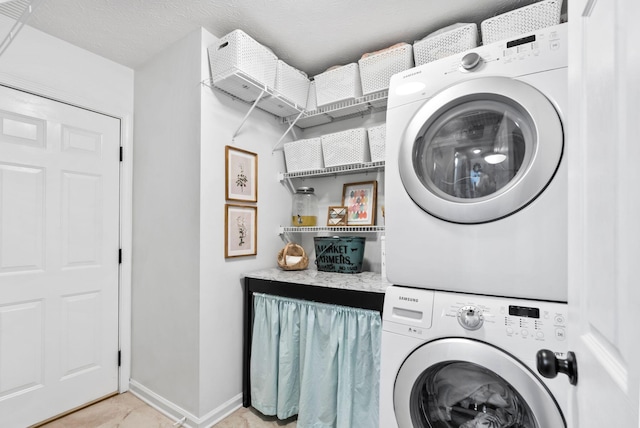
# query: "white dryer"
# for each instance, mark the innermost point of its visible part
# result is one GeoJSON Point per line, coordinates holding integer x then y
{"type": "Point", "coordinates": [453, 360]}
{"type": "Point", "coordinates": [476, 180]}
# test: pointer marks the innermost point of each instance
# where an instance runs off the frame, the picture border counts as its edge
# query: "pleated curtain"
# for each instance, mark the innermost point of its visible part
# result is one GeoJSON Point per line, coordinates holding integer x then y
{"type": "Point", "coordinates": [319, 361]}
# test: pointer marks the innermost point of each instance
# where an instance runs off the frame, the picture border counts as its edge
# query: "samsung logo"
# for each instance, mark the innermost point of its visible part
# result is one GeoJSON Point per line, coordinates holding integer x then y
{"type": "Point", "coordinates": [411, 74]}
{"type": "Point", "coordinates": [408, 299]}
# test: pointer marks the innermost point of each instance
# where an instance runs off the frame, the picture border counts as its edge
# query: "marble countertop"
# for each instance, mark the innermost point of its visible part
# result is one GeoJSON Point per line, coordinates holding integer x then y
{"type": "Point", "coordinates": [364, 281]}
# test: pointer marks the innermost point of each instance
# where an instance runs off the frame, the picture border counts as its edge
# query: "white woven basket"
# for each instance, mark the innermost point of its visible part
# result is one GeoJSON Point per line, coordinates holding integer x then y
{"type": "Point", "coordinates": [376, 70]}
{"type": "Point", "coordinates": [445, 43]}
{"type": "Point", "coordinates": [339, 84]}
{"type": "Point", "coordinates": [238, 52]}
{"type": "Point", "coordinates": [303, 155]}
{"type": "Point", "coordinates": [377, 139]}
{"type": "Point", "coordinates": [523, 20]}
{"type": "Point", "coordinates": [345, 147]}
{"type": "Point", "coordinates": [292, 84]}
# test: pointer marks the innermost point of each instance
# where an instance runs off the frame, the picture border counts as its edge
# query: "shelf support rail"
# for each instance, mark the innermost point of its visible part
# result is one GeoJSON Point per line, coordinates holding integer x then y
{"type": "Point", "coordinates": [291, 125]}
{"type": "Point", "coordinates": [246, 116]}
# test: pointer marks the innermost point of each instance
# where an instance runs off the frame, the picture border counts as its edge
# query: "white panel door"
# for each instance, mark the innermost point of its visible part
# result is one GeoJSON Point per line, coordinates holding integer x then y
{"type": "Point", "coordinates": [59, 239]}
{"type": "Point", "coordinates": [604, 233]}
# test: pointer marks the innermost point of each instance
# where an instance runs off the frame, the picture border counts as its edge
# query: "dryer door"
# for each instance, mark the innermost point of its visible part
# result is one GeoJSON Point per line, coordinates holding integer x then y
{"type": "Point", "coordinates": [481, 150]}
{"type": "Point", "coordinates": [465, 383]}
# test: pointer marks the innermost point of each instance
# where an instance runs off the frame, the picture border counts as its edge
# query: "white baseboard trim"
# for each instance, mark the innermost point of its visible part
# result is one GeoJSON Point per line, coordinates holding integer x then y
{"type": "Point", "coordinates": [182, 417]}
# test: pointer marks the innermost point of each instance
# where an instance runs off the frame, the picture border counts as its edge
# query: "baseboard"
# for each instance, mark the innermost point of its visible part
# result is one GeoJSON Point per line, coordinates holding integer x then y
{"type": "Point", "coordinates": [182, 417]}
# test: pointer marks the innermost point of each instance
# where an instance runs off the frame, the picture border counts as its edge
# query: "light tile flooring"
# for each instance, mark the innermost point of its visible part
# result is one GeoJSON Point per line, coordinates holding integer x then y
{"type": "Point", "coordinates": [128, 411]}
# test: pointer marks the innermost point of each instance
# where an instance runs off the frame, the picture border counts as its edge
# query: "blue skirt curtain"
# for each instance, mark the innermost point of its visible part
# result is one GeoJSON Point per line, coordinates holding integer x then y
{"type": "Point", "coordinates": [319, 361]}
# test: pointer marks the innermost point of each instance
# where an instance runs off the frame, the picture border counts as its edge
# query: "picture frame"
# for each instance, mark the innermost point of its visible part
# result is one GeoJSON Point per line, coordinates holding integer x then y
{"type": "Point", "coordinates": [337, 216]}
{"type": "Point", "coordinates": [241, 175]}
{"type": "Point", "coordinates": [240, 230]}
{"type": "Point", "coordinates": [360, 199]}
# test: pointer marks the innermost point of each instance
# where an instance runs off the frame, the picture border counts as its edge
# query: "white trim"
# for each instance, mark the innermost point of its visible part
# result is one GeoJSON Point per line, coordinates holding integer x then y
{"type": "Point", "coordinates": [126, 203]}
{"type": "Point", "coordinates": [177, 413]}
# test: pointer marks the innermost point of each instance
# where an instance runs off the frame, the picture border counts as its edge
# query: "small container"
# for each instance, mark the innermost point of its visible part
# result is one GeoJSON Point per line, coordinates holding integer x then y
{"type": "Point", "coordinates": [304, 209]}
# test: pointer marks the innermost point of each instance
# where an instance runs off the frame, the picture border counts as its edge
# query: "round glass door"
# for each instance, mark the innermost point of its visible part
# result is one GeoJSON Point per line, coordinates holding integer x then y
{"type": "Point", "coordinates": [481, 150]}
{"type": "Point", "coordinates": [439, 386]}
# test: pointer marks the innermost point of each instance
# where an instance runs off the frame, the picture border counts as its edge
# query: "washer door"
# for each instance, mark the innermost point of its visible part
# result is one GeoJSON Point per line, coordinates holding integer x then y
{"type": "Point", "coordinates": [481, 150]}
{"type": "Point", "coordinates": [439, 387]}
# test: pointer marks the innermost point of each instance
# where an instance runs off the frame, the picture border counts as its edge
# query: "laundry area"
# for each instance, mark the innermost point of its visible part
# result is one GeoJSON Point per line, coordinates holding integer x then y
{"type": "Point", "coordinates": [357, 214]}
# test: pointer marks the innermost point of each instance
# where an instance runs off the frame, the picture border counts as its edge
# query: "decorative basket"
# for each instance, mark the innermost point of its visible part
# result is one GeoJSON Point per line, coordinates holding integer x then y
{"type": "Point", "coordinates": [376, 70]}
{"type": "Point", "coordinates": [523, 20]}
{"type": "Point", "coordinates": [345, 148]}
{"type": "Point", "coordinates": [303, 155]}
{"type": "Point", "coordinates": [238, 52]}
{"type": "Point", "coordinates": [292, 257]}
{"type": "Point", "coordinates": [377, 139]}
{"type": "Point", "coordinates": [339, 84]}
{"type": "Point", "coordinates": [445, 42]}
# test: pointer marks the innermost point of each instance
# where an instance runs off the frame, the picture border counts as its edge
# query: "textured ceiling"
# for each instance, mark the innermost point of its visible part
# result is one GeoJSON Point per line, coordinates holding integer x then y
{"type": "Point", "coordinates": [310, 35]}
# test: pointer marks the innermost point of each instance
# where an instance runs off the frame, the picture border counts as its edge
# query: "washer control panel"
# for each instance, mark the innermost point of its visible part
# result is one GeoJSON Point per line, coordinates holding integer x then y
{"type": "Point", "coordinates": [516, 319]}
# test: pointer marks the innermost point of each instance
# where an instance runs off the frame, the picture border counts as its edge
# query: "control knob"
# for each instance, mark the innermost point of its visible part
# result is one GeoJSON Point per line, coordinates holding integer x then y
{"type": "Point", "coordinates": [470, 317]}
{"type": "Point", "coordinates": [470, 61]}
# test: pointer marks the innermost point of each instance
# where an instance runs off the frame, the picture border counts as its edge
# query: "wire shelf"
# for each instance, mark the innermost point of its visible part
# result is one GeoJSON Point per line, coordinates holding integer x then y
{"type": "Point", "coordinates": [341, 169]}
{"type": "Point", "coordinates": [331, 229]}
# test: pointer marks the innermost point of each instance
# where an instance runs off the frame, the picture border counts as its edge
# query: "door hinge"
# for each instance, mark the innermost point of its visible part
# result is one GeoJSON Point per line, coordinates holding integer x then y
{"type": "Point", "coordinates": [121, 153]}
{"type": "Point", "coordinates": [119, 358]}
{"type": "Point", "coordinates": [120, 256]}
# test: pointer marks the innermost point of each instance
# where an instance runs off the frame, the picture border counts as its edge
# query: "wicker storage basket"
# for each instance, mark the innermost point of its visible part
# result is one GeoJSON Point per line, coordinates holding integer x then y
{"type": "Point", "coordinates": [238, 52]}
{"type": "Point", "coordinates": [523, 20]}
{"type": "Point", "coordinates": [376, 70]}
{"type": "Point", "coordinates": [303, 155]}
{"type": "Point", "coordinates": [292, 84]}
{"type": "Point", "coordinates": [292, 257]}
{"type": "Point", "coordinates": [377, 139]}
{"type": "Point", "coordinates": [339, 84]}
{"type": "Point", "coordinates": [345, 148]}
{"type": "Point", "coordinates": [445, 42]}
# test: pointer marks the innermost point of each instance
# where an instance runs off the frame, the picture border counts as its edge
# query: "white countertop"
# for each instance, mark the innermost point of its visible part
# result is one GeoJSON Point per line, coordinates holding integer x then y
{"type": "Point", "coordinates": [364, 281]}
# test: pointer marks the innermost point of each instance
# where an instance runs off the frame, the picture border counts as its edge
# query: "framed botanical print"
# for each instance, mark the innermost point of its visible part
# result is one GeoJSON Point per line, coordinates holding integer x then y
{"type": "Point", "coordinates": [360, 200]}
{"type": "Point", "coordinates": [240, 230]}
{"type": "Point", "coordinates": [241, 178]}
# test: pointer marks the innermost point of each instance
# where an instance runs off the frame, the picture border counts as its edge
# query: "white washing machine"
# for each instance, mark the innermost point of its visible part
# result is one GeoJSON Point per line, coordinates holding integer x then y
{"type": "Point", "coordinates": [453, 360]}
{"type": "Point", "coordinates": [476, 181]}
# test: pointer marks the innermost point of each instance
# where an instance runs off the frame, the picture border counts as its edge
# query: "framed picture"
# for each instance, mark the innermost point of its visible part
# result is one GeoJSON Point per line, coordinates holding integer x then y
{"type": "Point", "coordinates": [360, 200]}
{"type": "Point", "coordinates": [240, 230]}
{"type": "Point", "coordinates": [337, 216]}
{"type": "Point", "coordinates": [241, 178]}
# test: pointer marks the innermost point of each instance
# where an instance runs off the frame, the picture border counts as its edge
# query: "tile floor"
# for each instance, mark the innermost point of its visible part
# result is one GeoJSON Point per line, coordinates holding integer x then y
{"type": "Point", "coordinates": [128, 411]}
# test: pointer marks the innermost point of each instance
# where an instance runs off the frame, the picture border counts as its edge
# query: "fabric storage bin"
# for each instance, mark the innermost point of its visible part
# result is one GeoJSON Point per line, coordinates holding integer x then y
{"type": "Point", "coordinates": [445, 42]}
{"type": "Point", "coordinates": [303, 155]}
{"type": "Point", "coordinates": [377, 139]}
{"type": "Point", "coordinates": [238, 52]}
{"type": "Point", "coordinates": [376, 69]}
{"type": "Point", "coordinates": [339, 84]}
{"type": "Point", "coordinates": [523, 20]}
{"type": "Point", "coordinates": [292, 84]}
{"type": "Point", "coordinates": [345, 148]}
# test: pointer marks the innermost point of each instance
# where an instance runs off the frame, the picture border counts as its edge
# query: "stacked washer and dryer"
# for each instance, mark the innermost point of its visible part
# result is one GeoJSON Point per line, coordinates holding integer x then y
{"type": "Point", "coordinates": [476, 245]}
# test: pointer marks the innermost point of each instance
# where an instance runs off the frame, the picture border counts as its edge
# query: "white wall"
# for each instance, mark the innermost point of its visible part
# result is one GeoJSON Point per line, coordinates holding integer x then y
{"type": "Point", "coordinates": [220, 278]}
{"type": "Point", "coordinates": [166, 229]}
{"type": "Point", "coordinates": [55, 68]}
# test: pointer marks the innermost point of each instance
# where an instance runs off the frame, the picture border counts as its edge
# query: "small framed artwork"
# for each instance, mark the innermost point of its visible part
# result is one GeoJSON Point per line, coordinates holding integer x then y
{"type": "Point", "coordinates": [241, 178]}
{"type": "Point", "coordinates": [360, 200]}
{"type": "Point", "coordinates": [240, 230]}
{"type": "Point", "coordinates": [337, 216]}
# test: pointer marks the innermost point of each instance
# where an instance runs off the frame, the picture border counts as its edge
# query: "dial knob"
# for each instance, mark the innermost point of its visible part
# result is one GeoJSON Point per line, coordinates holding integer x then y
{"type": "Point", "coordinates": [470, 61]}
{"type": "Point", "coordinates": [470, 317]}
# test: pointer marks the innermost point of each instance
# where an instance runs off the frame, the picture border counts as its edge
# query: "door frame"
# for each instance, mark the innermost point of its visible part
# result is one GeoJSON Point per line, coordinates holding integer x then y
{"type": "Point", "coordinates": [126, 204]}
